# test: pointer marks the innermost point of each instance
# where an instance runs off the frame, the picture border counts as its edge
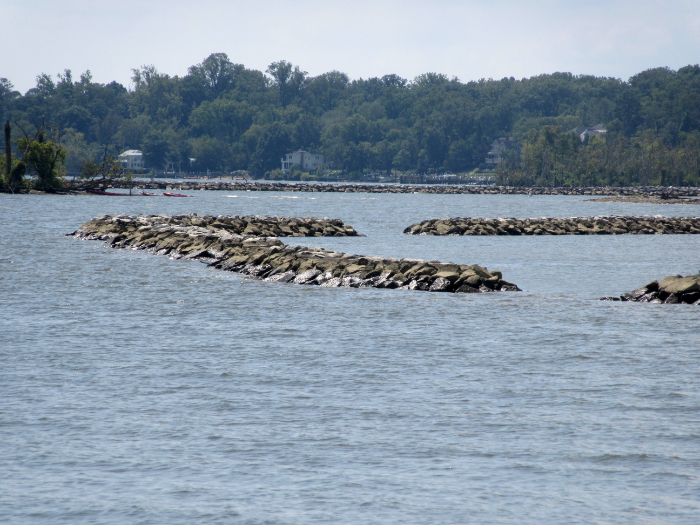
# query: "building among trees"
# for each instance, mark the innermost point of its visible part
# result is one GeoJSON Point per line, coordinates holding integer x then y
{"type": "Point", "coordinates": [304, 159]}
{"type": "Point", "coordinates": [498, 147]}
{"type": "Point", "coordinates": [585, 133]}
{"type": "Point", "coordinates": [132, 160]}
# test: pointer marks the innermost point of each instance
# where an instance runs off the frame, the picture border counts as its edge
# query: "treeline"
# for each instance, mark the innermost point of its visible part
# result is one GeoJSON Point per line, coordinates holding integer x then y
{"type": "Point", "coordinates": [549, 157]}
{"type": "Point", "coordinates": [229, 118]}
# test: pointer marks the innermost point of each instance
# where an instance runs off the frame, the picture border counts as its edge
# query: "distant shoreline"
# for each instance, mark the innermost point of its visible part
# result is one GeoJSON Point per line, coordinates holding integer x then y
{"type": "Point", "coordinates": [646, 191]}
{"type": "Point", "coordinates": [646, 194]}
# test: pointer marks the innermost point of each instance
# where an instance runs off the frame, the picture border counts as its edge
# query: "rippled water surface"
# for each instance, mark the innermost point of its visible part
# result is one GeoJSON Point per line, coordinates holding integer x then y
{"type": "Point", "coordinates": [138, 389]}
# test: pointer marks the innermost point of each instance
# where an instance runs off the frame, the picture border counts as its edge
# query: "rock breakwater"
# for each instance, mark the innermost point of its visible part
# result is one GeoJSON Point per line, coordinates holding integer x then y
{"type": "Point", "coordinates": [671, 290]}
{"type": "Point", "coordinates": [313, 187]}
{"type": "Point", "coordinates": [215, 241]}
{"type": "Point", "coordinates": [648, 200]}
{"type": "Point", "coordinates": [603, 225]}
{"type": "Point", "coordinates": [247, 226]}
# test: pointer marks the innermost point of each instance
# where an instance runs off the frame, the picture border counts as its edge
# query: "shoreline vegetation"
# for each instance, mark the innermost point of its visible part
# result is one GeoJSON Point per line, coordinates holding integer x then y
{"type": "Point", "coordinates": [222, 117]}
{"type": "Point", "coordinates": [245, 245]}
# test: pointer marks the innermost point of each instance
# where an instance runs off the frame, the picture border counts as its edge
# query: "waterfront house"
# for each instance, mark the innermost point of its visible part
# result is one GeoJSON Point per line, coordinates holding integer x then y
{"type": "Point", "coordinates": [498, 147]}
{"type": "Point", "coordinates": [304, 159]}
{"type": "Point", "coordinates": [132, 160]}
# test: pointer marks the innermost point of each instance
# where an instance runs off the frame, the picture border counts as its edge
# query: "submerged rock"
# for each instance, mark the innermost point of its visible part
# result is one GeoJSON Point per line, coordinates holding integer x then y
{"type": "Point", "coordinates": [237, 244]}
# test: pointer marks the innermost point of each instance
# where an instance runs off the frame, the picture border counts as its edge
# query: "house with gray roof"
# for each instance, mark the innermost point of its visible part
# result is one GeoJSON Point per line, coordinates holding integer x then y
{"type": "Point", "coordinates": [584, 133]}
{"type": "Point", "coordinates": [498, 147]}
{"type": "Point", "coordinates": [132, 160]}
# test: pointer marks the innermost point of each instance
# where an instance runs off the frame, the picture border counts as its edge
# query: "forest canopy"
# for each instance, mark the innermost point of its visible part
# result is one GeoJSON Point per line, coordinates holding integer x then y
{"type": "Point", "coordinates": [228, 118]}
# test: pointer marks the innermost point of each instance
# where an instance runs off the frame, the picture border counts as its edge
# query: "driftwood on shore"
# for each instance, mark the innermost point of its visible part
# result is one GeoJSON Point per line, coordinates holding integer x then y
{"type": "Point", "coordinates": [224, 243]}
{"type": "Point", "coordinates": [603, 225]}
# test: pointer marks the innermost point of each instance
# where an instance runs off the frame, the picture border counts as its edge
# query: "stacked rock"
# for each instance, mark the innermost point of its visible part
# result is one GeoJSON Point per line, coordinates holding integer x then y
{"type": "Point", "coordinates": [254, 225]}
{"type": "Point", "coordinates": [224, 243]}
{"type": "Point", "coordinates": [602, 225]}
{"type": "Point", "coordinates": [451, 189]}
{"type": "Point", "coordinates": [648, 200]}
{"type": "Point", "coordinates": [671, 290]}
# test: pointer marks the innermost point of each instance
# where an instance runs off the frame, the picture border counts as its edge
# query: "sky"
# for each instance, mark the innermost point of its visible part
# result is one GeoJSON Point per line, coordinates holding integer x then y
{"type": "Point", "coordinates": [466, 39]}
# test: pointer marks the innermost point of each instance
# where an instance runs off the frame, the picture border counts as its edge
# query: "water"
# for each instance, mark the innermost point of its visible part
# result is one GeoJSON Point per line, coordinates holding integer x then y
{"type": "Point", "coordinates": [138, 389]}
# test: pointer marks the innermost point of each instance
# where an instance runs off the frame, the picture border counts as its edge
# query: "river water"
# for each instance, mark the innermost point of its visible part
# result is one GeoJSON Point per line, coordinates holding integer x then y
{"type": "Point", "coordinates": [139, 389]}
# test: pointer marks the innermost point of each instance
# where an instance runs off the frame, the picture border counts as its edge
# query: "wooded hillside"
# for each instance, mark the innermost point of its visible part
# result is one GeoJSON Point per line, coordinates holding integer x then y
{"type": "Point", "coordinates": [231, 118]}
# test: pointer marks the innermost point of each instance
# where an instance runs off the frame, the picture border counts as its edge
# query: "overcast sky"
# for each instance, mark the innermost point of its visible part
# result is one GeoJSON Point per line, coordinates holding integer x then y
{"type": "Point", "coordinates": [464, 38]}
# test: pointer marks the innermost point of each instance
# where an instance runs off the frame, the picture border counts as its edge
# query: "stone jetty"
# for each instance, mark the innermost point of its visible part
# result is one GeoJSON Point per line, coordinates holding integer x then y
{"type": "Point", "coordinates": [238, 244]}
{"type": "Point", "coordinates": [648, 200]}
{"type": "Point", "coordinates": [603, 225]}
{"type": "Point", "coordinates": [248, 226]}
{"type": "Point", "coordinates": [450, 189]}
{"type": "Point", "coordinates": [671, 290]}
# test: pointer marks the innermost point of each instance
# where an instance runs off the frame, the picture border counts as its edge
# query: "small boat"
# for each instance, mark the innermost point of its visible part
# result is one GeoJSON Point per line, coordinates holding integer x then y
{"type": "Point", "coordinates": [174, 194]}
{"type": "Point", "coordinates": [148, 193]}
{"type": "Point", "coordinates": [101, 192]}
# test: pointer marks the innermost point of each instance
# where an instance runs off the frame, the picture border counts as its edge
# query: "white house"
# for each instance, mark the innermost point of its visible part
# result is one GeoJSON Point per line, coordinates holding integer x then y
{"type": "Point", "coordinates": [304, 159]}
{"type": "Point", "coordinates": [132, 160]}
{"type": "Point", "coordinates": [583, 132]}
{"type": "Point", "coordinates": [499, 146]}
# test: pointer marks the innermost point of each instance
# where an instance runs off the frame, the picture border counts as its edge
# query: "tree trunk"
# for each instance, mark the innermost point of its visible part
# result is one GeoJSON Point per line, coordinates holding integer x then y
{"type": "Point", "coordinates": [8, 151]}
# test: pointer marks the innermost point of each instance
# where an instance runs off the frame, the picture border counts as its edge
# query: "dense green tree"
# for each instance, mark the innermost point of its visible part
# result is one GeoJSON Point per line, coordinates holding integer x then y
{"type": "Point", "coordinates": [273, 142]}
{"type": "Point", "coordinates": [209, 154]}
{"type": "Point", "coordinates": [288, 79]}
{"type": "Point", "coordinates": [550, 157]}
{"type": "Point", "coordinates": [306, 132]}
{"type": "Point", "coordinates": [43, 158]}
{"type": "Point", "coordinates": [103, 174]}
{"type": "Point", "coordinates": [325, 92]}
{"type": "Point", "coordinates": [224, 119]}
{"type": "Point", "coordinates": [158, 148]}
{"type": "Point", "coordinates": [216, 73]}
{"type": "Point", "coordinates": [232, 118]}
{"type": "Point", "coordinates": [78, 150]}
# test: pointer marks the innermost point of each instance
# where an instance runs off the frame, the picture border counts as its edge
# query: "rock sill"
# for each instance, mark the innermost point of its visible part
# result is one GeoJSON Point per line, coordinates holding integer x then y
{"type": "Point", "coordinates": [237, 244]}
{"type": "Point", "coordinates": [602, 225]}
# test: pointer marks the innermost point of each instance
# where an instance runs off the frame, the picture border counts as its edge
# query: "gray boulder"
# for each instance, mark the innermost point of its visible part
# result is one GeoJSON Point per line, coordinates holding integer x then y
{"type": "Point", "coordinates": [672, 299]}
{"type": "Point", "coordinates": [334, 282]}
{"type": "Point", "coordinates": [680, 285]}
{"type": "Point", "coordinates": [284, 277]}
{"type": "Point", "coordinates": [307, 277]}
{"type": "Point", "coordinates": [441, 284]}
{"type": "Point", "coordinates": [465, 288]}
